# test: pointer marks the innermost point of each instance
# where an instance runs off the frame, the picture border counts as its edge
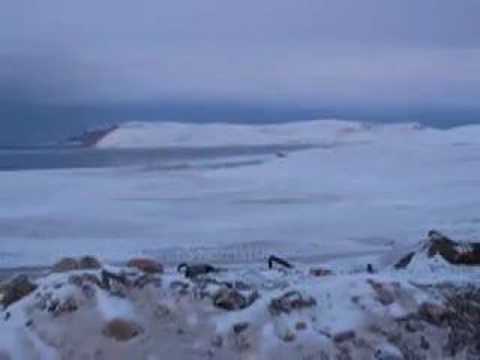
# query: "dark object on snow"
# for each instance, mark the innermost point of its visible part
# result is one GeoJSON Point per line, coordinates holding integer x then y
{"type": "Point", "coordinates": [232, 299]}
{"type": "Point", "coordinates": [344, 336]}
{"type": "Point", "coordinates": [65, 265]}
{"type": "Point", "coordinates": [71, 264]}
{"type": "Point", "coordinates": [281, 154]}
{"type": "Point", "coordinates": [146, 265]}
{"type": "Point", "coordinates": [320, 272]}
{"type": "Point", "coordinates": [384, 292]}
{"type": "Point", "coordinates": [192, 271]}
{"type": "Point", "coordinates": [404, 261]}
{"type": "Point", "coordinates": [108, 276]}
{"type": "Point", "coordinates": [88, 262]}
{"type": "Point", "coordinates": [122, 330]}
{"type": "Point", "coordinates": [275, 259]}
{"type": "Point", "coordinates": [292, 300]}
{"type": "Point", "coordinates": [19, 287]}
{"type": "Point", "coordinates": [370, 269]}
{"type": "Point", "coordinates": [240, 327]}
{"type": "Point", "coordinates": [456, 253]}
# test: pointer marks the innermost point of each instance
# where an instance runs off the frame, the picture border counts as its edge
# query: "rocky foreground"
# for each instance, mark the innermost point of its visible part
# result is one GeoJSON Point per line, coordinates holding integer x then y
{"type": "Point", "coordinates": [424, 305]}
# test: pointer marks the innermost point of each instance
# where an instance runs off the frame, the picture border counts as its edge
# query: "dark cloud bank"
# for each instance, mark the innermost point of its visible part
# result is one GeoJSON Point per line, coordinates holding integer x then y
{"type": "Point", "coordinates": [67, 65]}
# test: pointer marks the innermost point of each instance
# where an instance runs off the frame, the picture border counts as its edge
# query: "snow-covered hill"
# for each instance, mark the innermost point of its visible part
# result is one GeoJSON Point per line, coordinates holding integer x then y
{"type": "Point", "coordinates": [319, 132]}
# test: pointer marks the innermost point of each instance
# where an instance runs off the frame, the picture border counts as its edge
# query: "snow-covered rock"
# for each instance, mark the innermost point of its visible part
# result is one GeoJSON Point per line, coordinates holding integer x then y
{"type": "Point", "coordinates": [249, 313]}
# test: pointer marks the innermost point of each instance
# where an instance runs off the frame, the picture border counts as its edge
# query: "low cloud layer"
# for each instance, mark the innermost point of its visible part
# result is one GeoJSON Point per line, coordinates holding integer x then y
{"type": "Point", "coordinates": [278, 53]}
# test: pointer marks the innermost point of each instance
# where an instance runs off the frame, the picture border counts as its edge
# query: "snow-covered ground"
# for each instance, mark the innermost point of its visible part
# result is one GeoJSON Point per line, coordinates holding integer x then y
{"type": "Point", "coordinates": [363, 194]}
{"type": "Point", "coordinates": [427, 311]}
{"type": "Point", "coordinates": [364, 189]}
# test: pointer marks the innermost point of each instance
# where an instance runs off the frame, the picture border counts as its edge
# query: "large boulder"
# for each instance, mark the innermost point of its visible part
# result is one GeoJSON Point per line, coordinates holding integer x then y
{"type": "Point", "coordinates": [15, 290]}
{"type": "Point", "coordinates": [122, 330]}
{"type": "Point", "coordinates": [232, 299]}
{"type": "Point", "coordinates": [290, 301]}
{"type": "Point", "coordinates": [71, 264]}
{"type": "Point", "coordinates": [89, 263]}
{"type": "Point", "coordinates": [65, 265]}
{"type": "Point", "coordinates": [146, 265]}
{"type": "Point", "coordinates": [456, 253]}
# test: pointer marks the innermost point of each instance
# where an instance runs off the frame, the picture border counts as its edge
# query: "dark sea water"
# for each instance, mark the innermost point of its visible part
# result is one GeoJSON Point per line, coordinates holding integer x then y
{"type": "Point", "coordinates": [173, 158]}
{"type": "Point", "coordinates": [22, 125]}
{"type": "Point", "coordinates": [29, 140]}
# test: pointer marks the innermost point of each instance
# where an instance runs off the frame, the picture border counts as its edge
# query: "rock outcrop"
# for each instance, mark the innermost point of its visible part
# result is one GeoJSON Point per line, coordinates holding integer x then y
{"type": "Point", "coordinates": [71, 264]}
{"type": "Point", "coordinates": [146, 265]}
{"type": "Point", "coordinates": [122, 330]}
{"type": "Point", "coordinates": [16, 289]}
{"type": "Point", "coordinates": [455, 253]}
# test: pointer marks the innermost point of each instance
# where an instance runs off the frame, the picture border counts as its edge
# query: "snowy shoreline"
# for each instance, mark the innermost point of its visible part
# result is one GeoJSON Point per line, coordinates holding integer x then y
{"type": "Point", "coordinates": [371, 189]}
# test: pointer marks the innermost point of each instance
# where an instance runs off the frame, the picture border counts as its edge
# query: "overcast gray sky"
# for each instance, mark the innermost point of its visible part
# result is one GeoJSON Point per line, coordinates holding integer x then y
{"type": "Point", "coordinates": [311, 53]}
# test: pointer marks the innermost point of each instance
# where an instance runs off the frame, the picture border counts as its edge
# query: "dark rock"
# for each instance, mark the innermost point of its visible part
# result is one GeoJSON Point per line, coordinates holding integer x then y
{"type": "Point", "coordinates": [383, 294]}
{"type": "Point", "coordinates": [413, 326]}
{"type": "Point", "coordinates": [320, 272]}
{"type": "Point", "coordinates": [442, 245]}
{"type": "Point", "coordinates": [424, 344]}
{"type": "Point", "coordinates": [15, 290]}
{"type": "Point", "coordinates": [147, 279]}
{"type": "Point", "coordinates": [290, 301]}
{"type": "Point", "coordinates": [89, 263]}
{"type": "Point", "coordinates": [240, 327]}
{"type": "Point", "coordinates": [179, 287]}
{"type": "Point", "coordinates": [454, 252]}
{"type": "Point", "coordinates": [68, 306]}
{"type": "Point", "coordinates": [232, 299]}
{"type": "Point", "coordinates": [194, 270]}
{"type": "Point", "coordinates": [433, 313]}
{"type": "Point", "coordinates": [404, 261]}
{"type": "Point", "coordinates": [301, 325]}
{"type": "Point", "coordinates": [344, 336]}
{"type": "Point", "coordinates": [83, 279]}
{"type": "Point", "coordinates": [52, 307]}
{"type": "Point", "coordinates": [229, 299]}
{"type": "Point", "coordinates": [66, 264]}
{"type": "Point", "coordinates": [217, 341]}
{"type": "Point", "coordinates": [90, 138]}
{"type": "Point", "coordinates": [461, 318]}
{"type": "Point", "coordinates": [71, 264]}
{"type": "Point", "coordinates": [289, 336]}
{"type": "Point", "coordinates": [122, 330]}
{"type": "Point", "coordinates": [146, 265]}
{"type": "Point", "coordinates": [109, 279]}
